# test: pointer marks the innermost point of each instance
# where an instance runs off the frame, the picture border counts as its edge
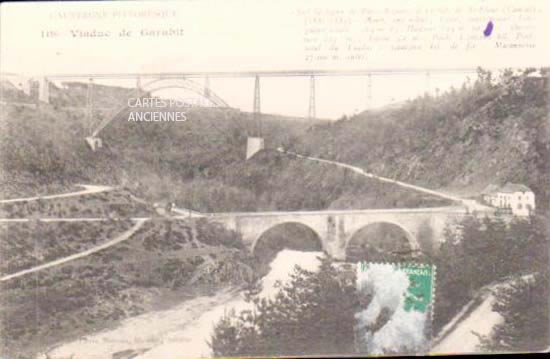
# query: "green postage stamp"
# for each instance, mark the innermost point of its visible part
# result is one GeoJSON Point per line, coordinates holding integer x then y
{"type": "Point", "coordinates": [395, 312]}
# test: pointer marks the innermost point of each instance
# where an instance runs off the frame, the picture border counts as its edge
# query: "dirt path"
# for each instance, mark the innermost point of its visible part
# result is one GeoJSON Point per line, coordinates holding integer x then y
{"type": "Point", "coordinates": [477, 318]}
{"type": "Point", "coordinates": [88, 189]}
{"type": "Point", "coordinates": [122, 237]}
{"type": "Point", "coordinates": [476, 321]}
{"type": "Point", "coordinates": [69, 219]}
{"type": "Point", "coordinates": [472, 205]}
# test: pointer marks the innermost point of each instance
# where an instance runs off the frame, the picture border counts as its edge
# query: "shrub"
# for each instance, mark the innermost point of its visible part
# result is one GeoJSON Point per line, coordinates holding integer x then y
{"type": "Point", "coordinates": [312, 314]}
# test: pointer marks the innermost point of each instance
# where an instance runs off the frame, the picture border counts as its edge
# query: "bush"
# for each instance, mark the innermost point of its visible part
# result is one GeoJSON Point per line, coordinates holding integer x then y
{"type": "Point", "coordinates": [312, 314]}
{"type": "Point", "coordinates": [524, 308]}
{"type": "Point", "coordinates": [485, 252]}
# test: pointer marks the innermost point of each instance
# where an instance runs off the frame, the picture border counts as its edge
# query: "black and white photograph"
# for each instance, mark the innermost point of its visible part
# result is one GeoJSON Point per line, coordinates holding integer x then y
{"type": "Point", "coordinates": [201, 179]}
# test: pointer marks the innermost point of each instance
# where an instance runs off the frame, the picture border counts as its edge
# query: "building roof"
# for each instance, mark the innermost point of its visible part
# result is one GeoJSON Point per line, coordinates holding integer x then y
{"type": "Point", "coordinates": [507, 188]}
{"type": "Point", "coordinates": [514, 187]}
{"type": "Point", "coordinates": [492, 188]}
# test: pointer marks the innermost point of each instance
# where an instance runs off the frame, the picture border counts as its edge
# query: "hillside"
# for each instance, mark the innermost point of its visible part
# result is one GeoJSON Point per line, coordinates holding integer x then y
{"type": "Point", "coordinates": [164, 262]}
{"type": "Point", "coordinates": [493, 130]}
{"type": "Point", "coordinates": [198, 163]}
{"type": "Point", "coordinates": [113, 204]}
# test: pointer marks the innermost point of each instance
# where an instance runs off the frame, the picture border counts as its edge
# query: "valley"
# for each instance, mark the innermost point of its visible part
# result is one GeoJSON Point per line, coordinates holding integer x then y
{"type": "Point", "coordinates": [173, 226]}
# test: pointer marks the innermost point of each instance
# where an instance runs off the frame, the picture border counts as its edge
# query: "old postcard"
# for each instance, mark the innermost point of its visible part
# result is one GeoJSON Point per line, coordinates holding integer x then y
{"type": "Point", "coordinates": [238, 178]}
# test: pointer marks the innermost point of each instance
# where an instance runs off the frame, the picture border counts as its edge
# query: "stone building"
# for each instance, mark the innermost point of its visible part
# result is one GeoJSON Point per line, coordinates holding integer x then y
{"type": "Point", "coordinates": [517, 198]}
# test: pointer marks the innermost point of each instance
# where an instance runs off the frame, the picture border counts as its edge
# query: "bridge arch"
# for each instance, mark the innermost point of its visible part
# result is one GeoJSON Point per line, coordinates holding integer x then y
{"type": "Point", "coordinates": [380, 241]}
{"type": "Point", "coordinates": [289, 235]}
{"type": "Point", "coordinates": [162, 84]}
{"type": "Point", "coordinates": [186, 84]}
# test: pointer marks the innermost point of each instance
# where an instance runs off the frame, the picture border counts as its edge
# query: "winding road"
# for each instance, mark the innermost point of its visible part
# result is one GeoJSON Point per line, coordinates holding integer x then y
{"type": "Point", "coordinates": [471, 205]}
{"type": "Point", "coordinates": [462, 334]}
{"type": "Point", "coordinates": [476, 320]}
{"type": "Point", "coordinates": [88, 189]}
{"type": "Point", "coordinates": [184, 213]}
{"type": "Point", "coordinates": [121, 238]}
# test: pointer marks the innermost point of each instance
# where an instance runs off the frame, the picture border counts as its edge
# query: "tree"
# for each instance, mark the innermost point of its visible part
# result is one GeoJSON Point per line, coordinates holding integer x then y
{"type": "Point", "coordinates": [524, 308]}
{"type": "Point", "coordinates": [225, 338]}
{"type": "Point", "coordinates": [486, 252]}
{"type": "Point", "coordinates": [312, 314]}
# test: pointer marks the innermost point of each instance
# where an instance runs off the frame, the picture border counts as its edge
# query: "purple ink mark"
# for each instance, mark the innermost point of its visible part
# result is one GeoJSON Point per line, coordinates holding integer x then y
{"type": "Point", "coordinates": [488, 29]}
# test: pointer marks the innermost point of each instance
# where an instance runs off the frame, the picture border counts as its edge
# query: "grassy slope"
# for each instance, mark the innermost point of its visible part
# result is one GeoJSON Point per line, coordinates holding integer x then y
{"type": "Point", "coordinates": [435, 142]}
{"type": "Point", "coordinates": [198, 163]}
{"type": "Point", "coordinates": [162, 259]}
{"type": "Point", "coordinates": [463, 140]}
{"type": "Point", "coordinates": [116, 204]}
{"type": "Point", "coordinates": [26, 245]}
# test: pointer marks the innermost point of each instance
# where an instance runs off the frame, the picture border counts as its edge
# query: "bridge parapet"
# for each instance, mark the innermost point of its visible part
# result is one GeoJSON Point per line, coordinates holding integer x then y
{"type": "Point", "coordinates": [424, 228]}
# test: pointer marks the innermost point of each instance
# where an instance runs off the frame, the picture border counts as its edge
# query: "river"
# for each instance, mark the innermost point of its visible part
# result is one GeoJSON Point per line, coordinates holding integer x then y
{"type": "Point", "coordinates": [182, 331]}
{"type": "Point", "coordinates": [185, 329]}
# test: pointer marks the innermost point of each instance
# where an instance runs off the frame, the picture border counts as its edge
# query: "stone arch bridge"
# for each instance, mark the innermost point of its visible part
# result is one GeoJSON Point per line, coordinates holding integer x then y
{"type": "Point", "coordinates": [423, 227]}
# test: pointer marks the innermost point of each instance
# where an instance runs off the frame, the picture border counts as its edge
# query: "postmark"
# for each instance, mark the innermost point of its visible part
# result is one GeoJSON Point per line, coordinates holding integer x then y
{"type": "Point", "coordinates": [395, 312]}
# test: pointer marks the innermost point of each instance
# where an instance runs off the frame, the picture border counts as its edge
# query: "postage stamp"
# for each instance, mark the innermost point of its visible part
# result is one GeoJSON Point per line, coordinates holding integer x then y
{"type": "Point", "coordinates": [396, 303]}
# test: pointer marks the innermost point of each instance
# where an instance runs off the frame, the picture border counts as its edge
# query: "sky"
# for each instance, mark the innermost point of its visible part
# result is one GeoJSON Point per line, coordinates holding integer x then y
{"type": "Point", "coordinates": [244, 35]}
{"type": "Point", "coordinates": [335, 96]}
